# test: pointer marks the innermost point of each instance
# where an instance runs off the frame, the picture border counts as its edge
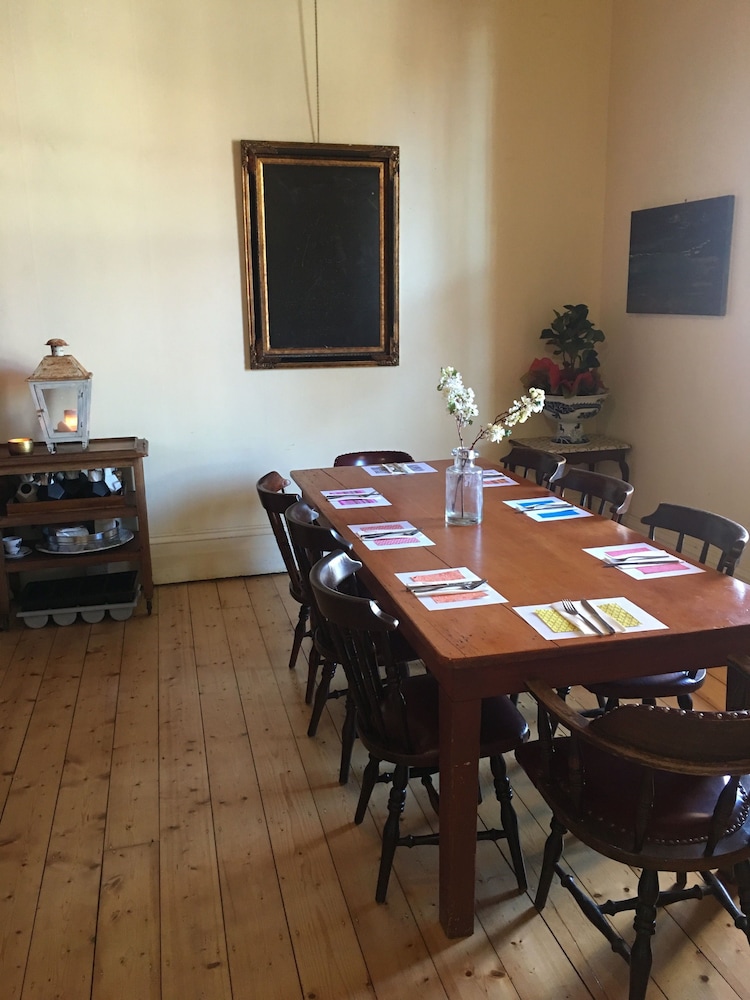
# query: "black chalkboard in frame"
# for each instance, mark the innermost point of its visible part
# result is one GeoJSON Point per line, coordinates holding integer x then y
{"type": "Point", "coordinates": [321, 253]}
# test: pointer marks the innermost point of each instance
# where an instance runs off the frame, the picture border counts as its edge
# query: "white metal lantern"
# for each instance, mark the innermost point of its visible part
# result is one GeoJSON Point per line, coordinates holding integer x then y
{"type": "Point", "coordinates": [61, 389]}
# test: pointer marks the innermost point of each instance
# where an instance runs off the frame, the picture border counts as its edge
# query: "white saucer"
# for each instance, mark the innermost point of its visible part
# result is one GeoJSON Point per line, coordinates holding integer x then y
{"type": "Point", "coordinates": [23, 551]}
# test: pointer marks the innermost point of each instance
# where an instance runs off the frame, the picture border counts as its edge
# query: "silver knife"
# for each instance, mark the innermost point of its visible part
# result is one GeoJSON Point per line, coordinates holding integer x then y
{"type": "Point", "coordinates": [594, 612]}
{"type": "Point", "coordinates": [395, 533]}
{"type": "Point", "coordinates": [544, 505]}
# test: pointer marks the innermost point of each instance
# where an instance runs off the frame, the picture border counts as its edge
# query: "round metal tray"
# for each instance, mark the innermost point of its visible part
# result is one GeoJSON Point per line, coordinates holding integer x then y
{"type": "Point", "coordinates": [124, 535]}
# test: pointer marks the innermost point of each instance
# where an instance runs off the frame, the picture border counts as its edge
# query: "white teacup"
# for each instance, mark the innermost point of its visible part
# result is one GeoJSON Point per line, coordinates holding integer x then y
{"type": "Point", "coordinates": [12, 545]}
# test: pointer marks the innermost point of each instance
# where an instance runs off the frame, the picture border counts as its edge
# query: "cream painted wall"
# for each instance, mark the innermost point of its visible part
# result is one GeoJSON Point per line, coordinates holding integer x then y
{"type": "Point", "coordinates": [120, 227]}
{"type": "Point", "coordinates": [678, 130]}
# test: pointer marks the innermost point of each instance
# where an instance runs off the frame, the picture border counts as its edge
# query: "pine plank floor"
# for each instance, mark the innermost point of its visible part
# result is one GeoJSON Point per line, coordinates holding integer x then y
{"type": "Point", "coordinates": [169, 832]}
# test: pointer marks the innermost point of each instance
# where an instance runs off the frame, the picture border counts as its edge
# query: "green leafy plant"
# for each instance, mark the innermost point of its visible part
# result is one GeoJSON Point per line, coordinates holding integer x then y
{"type": "Point", "coordinates": [572, 337]}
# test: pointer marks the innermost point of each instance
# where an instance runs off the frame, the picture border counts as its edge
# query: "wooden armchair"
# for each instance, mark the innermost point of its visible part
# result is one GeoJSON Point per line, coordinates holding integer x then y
{"type": "Point", "coordinates": [546, 467]}
{"type": "Point", "coordinates": [397, 715]}
{"type": "Point", "coordinates": [657, 789]}
{"type": "Point", "coordinates": [723, 539]}
{"type": "Point", "coordinates": [275, 502]}
{"type": "Point", "coordinates": [599, 493]}
{"type": "Point", "coordinates": [372, 457]}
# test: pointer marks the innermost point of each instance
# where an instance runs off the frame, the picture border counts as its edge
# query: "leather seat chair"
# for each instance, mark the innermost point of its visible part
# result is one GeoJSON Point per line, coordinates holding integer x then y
{"type": "Point", "coordinates": [657, 789]}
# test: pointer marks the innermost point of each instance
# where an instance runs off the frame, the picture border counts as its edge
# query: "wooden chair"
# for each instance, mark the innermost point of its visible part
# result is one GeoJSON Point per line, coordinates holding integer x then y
{"type": "Point", "coordinates": [372, 457]}
{"type": "Point", "coordinates": [311, 541]}
{"type": "Point", "coordinates": [546, 467]}
{"type": "Point", "coordinates": [599, 493]}
{"type": "Point", "coordinates": [275, 502]}
{"type": "Point", "coordinates": [657, 789]}
{"type": "Point", "coordinates": [713, 530]}
{"type": "Point", "coordinates": [397, 716]}
{"type": "Point", "coordinates": [718, 535]}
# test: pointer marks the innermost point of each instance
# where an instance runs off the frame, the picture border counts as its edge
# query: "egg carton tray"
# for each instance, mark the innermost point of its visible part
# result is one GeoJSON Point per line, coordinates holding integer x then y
{"type": "Point", "coordinates": [88, 596]}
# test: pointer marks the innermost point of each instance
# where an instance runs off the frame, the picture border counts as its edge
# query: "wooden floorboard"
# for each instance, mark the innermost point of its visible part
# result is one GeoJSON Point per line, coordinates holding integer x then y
{"type": "Point", "coordinates": [168, 831]}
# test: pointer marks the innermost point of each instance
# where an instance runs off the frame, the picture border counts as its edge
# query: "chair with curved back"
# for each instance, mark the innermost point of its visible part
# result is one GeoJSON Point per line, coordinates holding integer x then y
{"type": "Point", "coordinates": [546, 467]}
{"type": "Point", "coordinates": [717, 534]}
{"type": "Point", "coordinates": [397, 715]}
{"type": "Point", "coordinates": [275, 502]}
{"type": "Point", "coordinates": [310, 542]}
{"type": "Point", "coordinates": [728, 536]}
{"type": "Point", "coordinates": [656, 789]}
{"type": "Point", "coordinates": [372, 457]}
{"type": "Point", "coordinates": [601, 494]}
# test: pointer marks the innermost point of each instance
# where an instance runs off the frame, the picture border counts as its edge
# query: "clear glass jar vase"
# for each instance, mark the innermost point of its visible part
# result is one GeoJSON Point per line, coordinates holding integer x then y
{"type": "Point", "coordinates": [463, 489]}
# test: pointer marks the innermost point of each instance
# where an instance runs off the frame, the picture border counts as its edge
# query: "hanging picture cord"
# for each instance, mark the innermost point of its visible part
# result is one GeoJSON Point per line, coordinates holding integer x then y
{"type": "Point", "coordinates": [317, 79]}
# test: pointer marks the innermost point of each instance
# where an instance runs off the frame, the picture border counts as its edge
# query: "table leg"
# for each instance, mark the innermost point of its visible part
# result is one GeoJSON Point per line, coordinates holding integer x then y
{"type": "Point", "coordinates": [459, 778]}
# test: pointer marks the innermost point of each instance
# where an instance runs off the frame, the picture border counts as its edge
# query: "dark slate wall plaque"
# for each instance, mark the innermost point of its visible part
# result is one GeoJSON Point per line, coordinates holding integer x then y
{"type": "Point", "coordinates": [679, 258]}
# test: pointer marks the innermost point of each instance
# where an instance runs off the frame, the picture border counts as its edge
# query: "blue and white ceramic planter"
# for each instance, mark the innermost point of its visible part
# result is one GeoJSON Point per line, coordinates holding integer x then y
{"type": "Point", "coordinates": [569, 412]}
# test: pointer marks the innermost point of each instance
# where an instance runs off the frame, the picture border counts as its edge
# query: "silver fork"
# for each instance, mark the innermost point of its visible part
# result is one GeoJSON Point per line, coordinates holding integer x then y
{"type": "Point", "coordinates": [394, 532]}
{"type": "Point", "coordinates": [573, 610]}
{"type": "Point", "coordinates": [425, 588]}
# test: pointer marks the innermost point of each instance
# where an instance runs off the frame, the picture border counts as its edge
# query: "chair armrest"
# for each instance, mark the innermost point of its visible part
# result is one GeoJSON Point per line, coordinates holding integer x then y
{"type": "Point", "coordinates": [559, 709]}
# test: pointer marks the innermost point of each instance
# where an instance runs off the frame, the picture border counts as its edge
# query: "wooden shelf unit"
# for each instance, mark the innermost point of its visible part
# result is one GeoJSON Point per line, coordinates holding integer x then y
{"type": "Point", "coordinates": [102, 453]}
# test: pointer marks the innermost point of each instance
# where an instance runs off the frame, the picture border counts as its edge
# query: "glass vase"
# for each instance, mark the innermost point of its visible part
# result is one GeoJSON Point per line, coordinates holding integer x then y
{"type": "Point", "coordinates": [463, 489]}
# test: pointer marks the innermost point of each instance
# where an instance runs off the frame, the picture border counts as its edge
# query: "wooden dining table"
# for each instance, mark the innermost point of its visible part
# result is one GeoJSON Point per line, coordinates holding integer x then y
{"type": "Point", "coordinates": [475, 652]}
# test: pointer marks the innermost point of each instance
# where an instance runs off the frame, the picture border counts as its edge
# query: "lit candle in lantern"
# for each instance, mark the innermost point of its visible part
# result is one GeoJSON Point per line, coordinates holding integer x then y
{"type": "Point", "coordinates": [70, 419]}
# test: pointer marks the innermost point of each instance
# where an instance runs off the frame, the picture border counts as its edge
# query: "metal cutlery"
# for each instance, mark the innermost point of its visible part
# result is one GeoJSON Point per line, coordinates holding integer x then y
{"type": "Point", "coordinates": [597, 615]}
{"type": "Point", "coordinates": [545, 505]}
{"type": "Point", "coordinates": [394, 532]}
{"type": "Point", "coordinates": [570, 608]}
{"type": "Point", "coordinates": [644, 560]}
{"type": "Point", "coordinates": [426, 588]}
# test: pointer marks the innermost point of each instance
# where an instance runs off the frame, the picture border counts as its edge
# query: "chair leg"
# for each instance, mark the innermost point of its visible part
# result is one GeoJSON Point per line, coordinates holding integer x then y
{"type": "Point", "coordinates": [742, 876]}
{"type": "Point", "coordinates": [369, 780]}
{"type": "Point", "coordinates": [348, 736]}
{"type": "Point", "coordinates": [396, 802]}
{"type": "Point", "coordinates": [321, 696]}
{"type": "Point", "coordinates": [313, 663]}
{"type": "Point", "coordinates": [552, 853]}
{"type": "Point", "coordinates": [300, 631]}
{"type": "Point", "coordinates": [504, 794]}
{"type": "Point", "coordinates": [685, 702]}
{"type": "Point", "coordinates": [644, 925]}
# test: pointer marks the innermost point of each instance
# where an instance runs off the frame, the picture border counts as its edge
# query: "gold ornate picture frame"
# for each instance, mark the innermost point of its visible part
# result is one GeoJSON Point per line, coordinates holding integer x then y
{"type": "Point", "coordinates": [321, 253]}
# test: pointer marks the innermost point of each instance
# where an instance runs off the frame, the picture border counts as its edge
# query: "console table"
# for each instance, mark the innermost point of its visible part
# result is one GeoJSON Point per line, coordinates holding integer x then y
{"type": "Point", "coordinates": [598, 448]}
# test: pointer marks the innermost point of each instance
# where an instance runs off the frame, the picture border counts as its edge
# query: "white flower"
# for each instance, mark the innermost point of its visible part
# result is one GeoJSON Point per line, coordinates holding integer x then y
{"type": "Point", "coordinates": [460, 403]}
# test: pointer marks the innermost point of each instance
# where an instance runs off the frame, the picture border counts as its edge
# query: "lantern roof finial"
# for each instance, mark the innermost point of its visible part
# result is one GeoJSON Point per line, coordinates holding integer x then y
{"type": "Point", "coordinates": [58, 367]}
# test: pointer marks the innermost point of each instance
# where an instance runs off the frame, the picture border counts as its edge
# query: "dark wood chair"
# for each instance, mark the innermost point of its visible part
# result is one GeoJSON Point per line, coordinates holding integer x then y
{"type": "Point", "coordinates": [275, 502]}
{"type": "Point", "coordinates": [657, 789]}
{"type": "Point", "coordinates": [311, 541]}
{"type": "Point", "coordinates": [372, 457]}
{"type": "Point", "coordinates": [601, 494]}
{"type": "Point", "coordinates": [397, 715]}
{"type": "Point", "coordinates": [714, 530]}
{"type": "Point", "coordinates": [723, 540]}
{"type": "Point", "coordinates": [546, 467]}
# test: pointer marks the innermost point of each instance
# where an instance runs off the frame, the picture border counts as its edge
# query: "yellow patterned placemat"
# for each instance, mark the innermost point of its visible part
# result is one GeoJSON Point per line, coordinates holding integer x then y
{"type": "Point", "coordinates": [620, 615]}
{"type": "Point", "coordinates": [556, 622]}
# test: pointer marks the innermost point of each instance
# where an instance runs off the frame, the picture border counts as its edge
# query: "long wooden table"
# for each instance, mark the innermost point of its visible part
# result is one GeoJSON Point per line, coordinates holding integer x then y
{"type": "Point", "coordinates": [475, 652]}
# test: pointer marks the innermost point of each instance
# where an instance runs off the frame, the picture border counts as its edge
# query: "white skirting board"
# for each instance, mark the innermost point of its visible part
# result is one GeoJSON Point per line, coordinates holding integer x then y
{"type": "Point", "coordinates": [214, 556]}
